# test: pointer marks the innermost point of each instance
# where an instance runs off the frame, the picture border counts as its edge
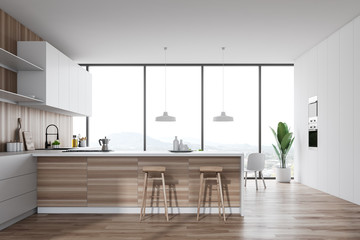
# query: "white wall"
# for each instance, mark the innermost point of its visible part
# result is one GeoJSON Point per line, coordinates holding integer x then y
{"type": "Point", "coordinates": [331, 71]}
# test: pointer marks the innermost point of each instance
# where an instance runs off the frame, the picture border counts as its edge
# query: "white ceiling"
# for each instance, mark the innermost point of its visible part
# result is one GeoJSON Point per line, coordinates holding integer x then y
{"type": "Point", "coordinates": [135, 31]}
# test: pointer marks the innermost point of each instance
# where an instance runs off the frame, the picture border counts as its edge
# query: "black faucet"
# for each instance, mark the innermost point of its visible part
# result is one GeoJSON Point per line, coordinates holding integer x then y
{"type": "Point", "coordinates": [46, 135]}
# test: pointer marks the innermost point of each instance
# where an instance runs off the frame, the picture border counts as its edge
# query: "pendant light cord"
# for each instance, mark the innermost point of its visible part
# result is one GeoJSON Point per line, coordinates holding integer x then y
{"type": "Point", "coordinates": [165, 48]}
{"type": "Point", "coordinates": [223, 82]}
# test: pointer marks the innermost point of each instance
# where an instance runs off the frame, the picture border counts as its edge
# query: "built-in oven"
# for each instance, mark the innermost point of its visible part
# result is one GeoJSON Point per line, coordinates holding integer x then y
{"type": "Point", "coordinates": [313, 122]}
{"type": "Point", "coordinates": [313, 135]}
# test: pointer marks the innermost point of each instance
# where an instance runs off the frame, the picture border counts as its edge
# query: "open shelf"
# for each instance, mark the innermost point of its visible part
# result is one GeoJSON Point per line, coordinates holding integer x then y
{"type": "Point", "coordinates": [10, 97]}
{"type": "Point", "coordinates": [14, 63]}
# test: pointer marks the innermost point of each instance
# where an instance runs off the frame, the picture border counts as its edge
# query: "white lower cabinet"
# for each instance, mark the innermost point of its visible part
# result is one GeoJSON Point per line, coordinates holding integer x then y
{"type": "Point", "coordinates": [17, 187]}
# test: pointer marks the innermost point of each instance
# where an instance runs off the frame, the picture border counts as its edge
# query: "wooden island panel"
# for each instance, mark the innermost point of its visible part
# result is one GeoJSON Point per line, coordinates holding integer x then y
{"type": "Point", "coordinates": [62, 182]}
{"type": "Point", "coordinates": [118, 181]}
{"type": "Point", "coordinates": [112, 182]}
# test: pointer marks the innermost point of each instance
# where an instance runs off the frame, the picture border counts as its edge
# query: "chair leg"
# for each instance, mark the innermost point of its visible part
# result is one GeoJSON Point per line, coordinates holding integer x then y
{"type": "Point", "coordinates": [200, 194]}
{"type": "Point", "coordinates": [144, 197]}
{"type": "Point", "coordinates": [262, 176]}
{"type": "Point", "coordinates": [221, 195]}
{"type": "Point", "coordinates": [256, 180]}
{"type": "Point", "coordinates": [165, 201]}
{"type": "Point", "coordinates": [245, 178]}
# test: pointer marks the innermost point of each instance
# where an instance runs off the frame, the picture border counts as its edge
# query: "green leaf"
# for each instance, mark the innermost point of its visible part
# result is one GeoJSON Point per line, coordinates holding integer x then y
{"type": "Point", "coordinates": [276, 139]}
{"type": "Point", "coordinates": [287, 129]}
{"type": "Point", "coordinates": [290, 144]}
{"type": "Point", "coordinates": [277, 152]}
{"type": "Point", "coordinates": [282, 130]}
{"type": "Point", "coordinates": [285, 142]}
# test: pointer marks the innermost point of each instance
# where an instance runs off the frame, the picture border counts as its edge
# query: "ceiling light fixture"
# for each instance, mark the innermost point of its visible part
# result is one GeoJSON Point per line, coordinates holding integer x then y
{"type": "Point", "coordinates": [165, 117]}
{"type": "Point", "coordinates": [223, 117]}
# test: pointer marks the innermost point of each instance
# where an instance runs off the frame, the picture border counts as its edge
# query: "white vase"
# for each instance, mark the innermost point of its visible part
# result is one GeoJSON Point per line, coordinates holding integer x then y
{"type": "Point", "coordinates": [283, 175]}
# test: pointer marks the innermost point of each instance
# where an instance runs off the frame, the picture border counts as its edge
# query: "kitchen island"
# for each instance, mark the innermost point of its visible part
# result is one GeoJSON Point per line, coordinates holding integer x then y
{"type": "Point", "coordinates": [112, 182]}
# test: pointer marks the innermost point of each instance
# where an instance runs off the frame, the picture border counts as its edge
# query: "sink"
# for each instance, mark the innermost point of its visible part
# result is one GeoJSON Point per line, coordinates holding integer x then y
{"type": "Point", "coordinates": [52, 148]}
{"type": "Point", "coordinates": [86, 150]}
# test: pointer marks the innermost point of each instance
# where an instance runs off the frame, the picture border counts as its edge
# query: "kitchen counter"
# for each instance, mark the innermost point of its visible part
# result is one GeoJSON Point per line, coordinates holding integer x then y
{"type": "Point", "coordinates": [112, 182]}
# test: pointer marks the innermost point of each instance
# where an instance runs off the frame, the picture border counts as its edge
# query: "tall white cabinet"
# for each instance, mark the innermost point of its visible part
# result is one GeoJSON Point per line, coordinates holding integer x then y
{"type": "Point", "coordinates": [331, 71]}
{"type": "Point", "coordinates": [64, 86]}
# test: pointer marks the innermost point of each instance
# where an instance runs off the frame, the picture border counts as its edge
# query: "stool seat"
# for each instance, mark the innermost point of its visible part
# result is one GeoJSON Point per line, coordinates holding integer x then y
{"type": "Point", "coordinates": [154, 169]}
{"type": "Point", "coordinates": [211, 169]}
{"type": "Point", "coordinates": [220, 197]}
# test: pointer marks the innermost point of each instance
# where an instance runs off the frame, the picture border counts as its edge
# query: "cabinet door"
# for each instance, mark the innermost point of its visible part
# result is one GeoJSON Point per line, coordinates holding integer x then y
{"type": "Point", "coordinates": [16, 165]}
{"type": "Point", "coordinates": [82, 90]}
{"type": "Point", "coordinates": [74, 87]}
{"type": "Point", "coordinates": [64, 82]}
{"type": "Point", "coordinates": [62, 182]}
{"type": "Point", "coordinates": [88, 94]}
{"type": "Point", "coordinates": [112, 182]}
{"type": "Point", "coordinates": [52, 76]}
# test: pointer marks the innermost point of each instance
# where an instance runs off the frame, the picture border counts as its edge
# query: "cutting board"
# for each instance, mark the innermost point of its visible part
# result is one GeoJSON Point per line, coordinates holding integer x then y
{"type": "Point", "coordinates": [29, 144]}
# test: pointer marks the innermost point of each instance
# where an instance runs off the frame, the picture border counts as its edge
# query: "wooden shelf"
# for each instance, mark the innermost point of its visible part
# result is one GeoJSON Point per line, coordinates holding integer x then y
{"type": "Point", "coordinates": [15, 63]}
{"type": "Point", "coordinates": [10, 97]}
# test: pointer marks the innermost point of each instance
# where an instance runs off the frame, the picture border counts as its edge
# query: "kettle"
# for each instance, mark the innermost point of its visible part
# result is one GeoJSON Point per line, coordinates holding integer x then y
{"type": "Point", "coordinates": [104, 142]}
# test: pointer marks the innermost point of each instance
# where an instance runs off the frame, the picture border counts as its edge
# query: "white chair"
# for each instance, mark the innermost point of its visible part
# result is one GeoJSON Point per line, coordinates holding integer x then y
{"type": "Point", "coordinates": [256, 163]}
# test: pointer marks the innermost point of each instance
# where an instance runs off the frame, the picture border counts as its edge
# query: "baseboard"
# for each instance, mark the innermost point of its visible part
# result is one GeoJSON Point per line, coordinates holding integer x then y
{"type": "Point", "coordinates": [134, 210]}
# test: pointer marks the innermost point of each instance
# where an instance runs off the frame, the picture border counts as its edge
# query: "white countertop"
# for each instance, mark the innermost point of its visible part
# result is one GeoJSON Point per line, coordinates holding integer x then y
{"type": "Point", "coordinates": [55, 153]}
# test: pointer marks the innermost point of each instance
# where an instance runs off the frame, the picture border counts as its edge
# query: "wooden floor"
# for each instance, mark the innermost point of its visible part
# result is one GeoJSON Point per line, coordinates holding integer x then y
{"type": "Point", "coordinates": [282, 211]}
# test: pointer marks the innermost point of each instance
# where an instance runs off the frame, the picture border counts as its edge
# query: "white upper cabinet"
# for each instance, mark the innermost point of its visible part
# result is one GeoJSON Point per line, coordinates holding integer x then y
{"type": "Point", "coordinates": [64, 81]}
{"type": "Point", "coordinates": [74, 87]}
{"type": "Point", "coordinates": [64, 86]}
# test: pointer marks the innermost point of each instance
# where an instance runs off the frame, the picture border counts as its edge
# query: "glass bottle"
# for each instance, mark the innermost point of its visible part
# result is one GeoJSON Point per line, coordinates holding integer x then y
{"type": "Point", "coordinates": [74, 141]}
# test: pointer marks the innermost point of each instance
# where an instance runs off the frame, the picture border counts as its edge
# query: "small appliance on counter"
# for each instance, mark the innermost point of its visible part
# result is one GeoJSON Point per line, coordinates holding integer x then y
{"type": "Point", "coordinates": [104, 143]}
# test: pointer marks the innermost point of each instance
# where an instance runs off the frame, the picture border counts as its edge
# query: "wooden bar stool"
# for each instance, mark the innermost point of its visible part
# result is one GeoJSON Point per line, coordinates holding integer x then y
{"type": "Point", "coordinates": [153, 169]}
{"type": "Point", "coordinates": [217, 171]}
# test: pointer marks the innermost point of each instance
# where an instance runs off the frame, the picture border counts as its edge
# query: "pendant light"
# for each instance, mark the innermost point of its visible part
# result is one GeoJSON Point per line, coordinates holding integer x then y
{"type": "Point", "coordinates": [223, 117]}
{"type": "Point", "coordinates": [165, 117]}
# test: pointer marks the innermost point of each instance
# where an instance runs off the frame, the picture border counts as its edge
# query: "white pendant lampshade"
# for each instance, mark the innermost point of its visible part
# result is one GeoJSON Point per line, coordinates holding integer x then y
{"type": "Point", "coordinates": [223, 117]}
{"type": "Point", "coordinates": [165, 117]}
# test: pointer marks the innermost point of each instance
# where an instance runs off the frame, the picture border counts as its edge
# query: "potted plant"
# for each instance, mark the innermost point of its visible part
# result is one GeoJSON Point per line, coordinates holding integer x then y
{"type": "Point", "coordinates": [284, 140]}
{"type": "Point", "coordinates": [56, 144]}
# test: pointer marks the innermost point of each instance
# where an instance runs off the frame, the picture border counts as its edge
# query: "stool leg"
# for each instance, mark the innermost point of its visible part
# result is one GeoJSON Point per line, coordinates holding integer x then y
{"type": "Point", "coordinates": [146, 185]}
{"type": "Point", "coordinates": [218, 195]}
{"type": "Point", "coordinates": [200, 193]}
{"type": "Point", "coordinates": [221, 195]}
{"type": "Point", "coordinates": [142, 212]}
{"type": "Point", "coordinates": [165, 201]}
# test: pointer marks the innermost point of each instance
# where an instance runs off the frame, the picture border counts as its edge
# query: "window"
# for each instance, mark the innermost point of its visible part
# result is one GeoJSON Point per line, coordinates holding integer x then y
{"type": "Point", "coordinates": [183, 100]}
{"type": "Point", "coordinates": [277, 106]}
{"type": "Point", "coordinates": [241, 102]}
{"type": "Point", "coordinates": [117, 107]}
{"type": "Point", "coordinates": [79, 126]}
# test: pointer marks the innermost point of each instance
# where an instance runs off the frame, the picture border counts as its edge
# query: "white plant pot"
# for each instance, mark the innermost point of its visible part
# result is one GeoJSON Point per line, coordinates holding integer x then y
{"type": "Point", "coordinates": [283, 175]}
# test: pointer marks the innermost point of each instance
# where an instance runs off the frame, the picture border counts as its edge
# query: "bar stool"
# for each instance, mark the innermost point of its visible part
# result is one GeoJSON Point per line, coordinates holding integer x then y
{"type": "Point", "coordinates": [153, 169]}
{"type": "Point", "coordinates": [217, 171]}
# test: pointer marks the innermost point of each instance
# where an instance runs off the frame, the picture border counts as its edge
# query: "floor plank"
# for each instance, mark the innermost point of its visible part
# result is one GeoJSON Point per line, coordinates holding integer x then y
{"type": "Point", "coordinates": [282, 211]}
